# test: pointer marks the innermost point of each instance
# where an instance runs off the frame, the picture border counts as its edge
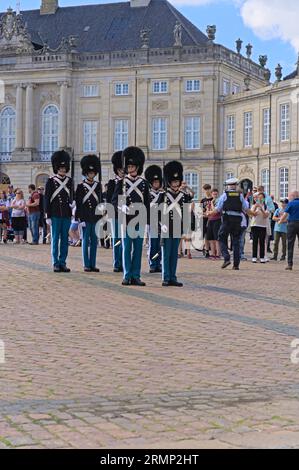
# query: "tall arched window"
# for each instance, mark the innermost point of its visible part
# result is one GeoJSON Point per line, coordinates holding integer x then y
{"type": "Point", "coordinates": [192, 180]}
{"type": "Point", "coordinates": [283, 183]}
{"type": "Point", "coordinates": [49, 141]}
{"type": "Point", "coordinates": [7, 133]}
{"type": "Point", "coordinates": [265, 179]}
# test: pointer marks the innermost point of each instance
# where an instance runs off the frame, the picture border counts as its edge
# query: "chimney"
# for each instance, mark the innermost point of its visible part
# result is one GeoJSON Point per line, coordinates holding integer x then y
{"type": "Point", "coordinates": [139, 3]}
{"type": "Point", "coordinates": [48, 7]}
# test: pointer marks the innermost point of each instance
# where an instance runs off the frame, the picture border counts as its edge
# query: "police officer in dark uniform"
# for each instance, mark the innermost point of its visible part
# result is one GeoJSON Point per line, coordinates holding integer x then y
{"type": "Point", "coordinates": [231, 204]}
{"type": "Point", "coordinates": [88, 198]}
{"type": "Point", "coordinates": [58, 201]}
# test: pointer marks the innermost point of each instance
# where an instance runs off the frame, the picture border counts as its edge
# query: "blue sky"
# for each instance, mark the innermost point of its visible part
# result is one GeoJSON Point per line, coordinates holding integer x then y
{"type": "Point", "coordinates": [230, 17]}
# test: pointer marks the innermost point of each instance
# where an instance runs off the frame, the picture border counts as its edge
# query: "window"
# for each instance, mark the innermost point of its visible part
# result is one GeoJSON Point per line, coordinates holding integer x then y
{"type": "Point", "coordinates": [159, 134]}
{"type": "Point", "coordinates": [192, 86]}
{"type": "Point", "coordinates": [41, 180]}
{"type": "Point", "coordinates": [121, 134]}
{"type": "Point", "coordinates": [121, 89]}
{"type": "Point", "coordinates": [265, 179]}
{"type": "Point", "coordinates": [284, 122]}
{"type": "Point", "coordinates": [248, 129]}
{"type": "Point", "coordinates": [236, 88]}
{"type": "Point", "coordinates": [283, 183]}
{"type": "Point", "coordinates": [90, 90]}
{"type": "Point", "coordinates": [192, 180]}
{"type": "Point", "coordinates": [226, 87]}
{"type": "Point", "coordinates": [49, 131]}
{"type": "Point", "coordinates": [231, 129]}
{"type": "Point", "coordinates": [192, 133]}
{"type": "Point", "coordinates": [266, 126]}
{"type": "Point", "coordinates": [90, 136]}
{"type": "Point", "coordinates": [160, 87]}
{"type": "Point", "coordinates": [7, 133]}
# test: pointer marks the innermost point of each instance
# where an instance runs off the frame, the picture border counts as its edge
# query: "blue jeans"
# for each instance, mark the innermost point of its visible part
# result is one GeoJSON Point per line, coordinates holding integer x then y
{"type": "Point", "coordinates": [60, 240]}
{"type": "Point", "coordinates": [33, 221]}
{"type": "Point", "coordinates": [154, 249]}
{"type": "Point", "coordinates": [89, 245]}
{"type": "Point", "coordinates": [242, 242]}
{"type": "Point", "coordinates": [132, 253]}
{"type": "Point", "coordinates": [170, 249]}
{"type": "Point", "coordinates": [117, 250]}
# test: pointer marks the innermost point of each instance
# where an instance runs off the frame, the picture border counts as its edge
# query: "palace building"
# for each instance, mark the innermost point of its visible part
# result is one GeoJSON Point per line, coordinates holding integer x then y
{"type": "Point", "coordinates": [97, 78]}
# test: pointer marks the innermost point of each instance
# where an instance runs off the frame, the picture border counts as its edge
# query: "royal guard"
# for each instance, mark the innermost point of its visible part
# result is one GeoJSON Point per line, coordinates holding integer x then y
{"type": "Point", "coordinates": [88, 200]}
{"type": "Point", "coordinates": [175, 203]}
{"type": "Point", "coordinates": [58, 209]}
{"type": "Point", "coordinates": [130, 194]}
{"type": "Point", "coordinates": [117, 163]}
{"type": "Point", "coordinates": [153, 174]}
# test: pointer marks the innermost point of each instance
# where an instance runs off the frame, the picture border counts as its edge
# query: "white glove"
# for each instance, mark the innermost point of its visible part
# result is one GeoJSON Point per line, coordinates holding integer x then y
{"type": "Point", "coordinates": [164, 228]}
{"type": "Point", "coordinates": [125, 209]}
{"type": "Point", "coordinates": [49, 222]}
{"type": "Point", "coordinates": [82, 224]}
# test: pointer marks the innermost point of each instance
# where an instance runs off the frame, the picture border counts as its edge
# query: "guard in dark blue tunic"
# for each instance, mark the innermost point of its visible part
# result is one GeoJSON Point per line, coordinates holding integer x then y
{"type": "Point", "coordinates": [134, 191]}
{"type": "Point", "coordinates": [175, 201]}
{"type": "Point", "coordinates": [116, 236]}
{"type": "Point", "coordinates": [153, 174]}
{"type": "Point", "coordinates": [88, 198]}
{"type": "Point", "coordinates": [58, 202]}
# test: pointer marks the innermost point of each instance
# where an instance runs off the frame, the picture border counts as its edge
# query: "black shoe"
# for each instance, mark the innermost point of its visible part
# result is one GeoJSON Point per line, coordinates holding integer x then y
{"type": "Point", "coordinates": [56, 269]}
{"type": "Point", "coordinates": [225, 264]}
{"type": "Point", "coordinates": [95, 270]}
{"type": "Point", "coordinates": [159, 269]}
{"type": "Point", "coordinates": [137, 282]}
{"type": "Point", "coordinates": [283, 258]}
{"type": "Point", "coordinates": [64, 269]}
{"type": "Point", "coordinates": [274, 258]}
{"type": "Point", "coordinates": [87, 270]}
{"type": "Point", "coordinates": [236, 268]}
{"type": "Point", "coordinates": [117, 270]}
{"type": "Point", "coordinates": [176, 284]}
{"type": "Point", "coordinates": [126, 282]}
{"type": "Point", "coordinates": [207, 254]}
{"type": "Point", "coordinates": [289, 268]}
{"type": "Point", "coordinates": [165, 283]}
{"type": "Point", "coordinates": [152, 270]}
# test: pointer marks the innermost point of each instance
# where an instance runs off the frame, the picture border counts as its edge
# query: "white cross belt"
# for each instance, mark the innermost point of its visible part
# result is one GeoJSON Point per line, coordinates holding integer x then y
{"type": "Point", "coordinates": [62, 185]}
{"type": "Point", "coordinates": [174, 204]}
{"type": "Point", "coordinates": [134, 187]}
{"type": "Point", "coordinates": [91, 192]}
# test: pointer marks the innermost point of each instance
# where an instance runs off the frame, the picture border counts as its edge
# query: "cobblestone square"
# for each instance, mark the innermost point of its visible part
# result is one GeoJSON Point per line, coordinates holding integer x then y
{"type": "Point", "coordinates": [90, 363]}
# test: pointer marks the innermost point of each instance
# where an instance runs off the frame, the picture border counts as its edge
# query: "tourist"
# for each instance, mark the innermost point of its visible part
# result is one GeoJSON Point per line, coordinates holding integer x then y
{"type": "Point", "coordinates": [18, 216]}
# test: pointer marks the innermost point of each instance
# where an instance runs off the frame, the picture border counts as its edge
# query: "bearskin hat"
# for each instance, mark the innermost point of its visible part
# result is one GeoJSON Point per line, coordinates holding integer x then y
{"type": "Point", "coordinates": [153, 173]}
{"type": "Point", "coordinates": [60, 159]}
{"type": "Point", "coordinates": [173, 171]}
{"type": "Point", "coordinates": [134, 156]}
{"type": "Point", "coordinates": [90, 163]}
{"type": "Point", "coordinates": [116, 161]}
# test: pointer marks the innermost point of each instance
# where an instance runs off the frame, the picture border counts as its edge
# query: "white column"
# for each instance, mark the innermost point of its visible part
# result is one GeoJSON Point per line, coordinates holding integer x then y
{"type": "Point", "coordinates": [29, 117]}
{"type": "Point", "coordinates": [19, 117]}
{"type": "Point", "coordinates": [63, 115]}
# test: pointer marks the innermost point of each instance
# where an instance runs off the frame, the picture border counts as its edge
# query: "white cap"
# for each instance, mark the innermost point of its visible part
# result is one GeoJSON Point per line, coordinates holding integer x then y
{"type": "Point", "coordinates": [231, 181]}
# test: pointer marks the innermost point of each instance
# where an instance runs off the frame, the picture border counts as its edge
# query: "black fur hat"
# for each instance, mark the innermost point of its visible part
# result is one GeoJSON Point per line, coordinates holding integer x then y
{"type": "Point", "coordinates": [90, 163]}
{"type": "Point", "coordinates": [60, 159]}
{"type": "Point", "coordinates": [173, 171]}
{"type": "Point", "coordinates": [134, 156]}
{"type": "Point", "coordinates": [153, 173]}
{"type": "Point", "coordinates": [116, 161]}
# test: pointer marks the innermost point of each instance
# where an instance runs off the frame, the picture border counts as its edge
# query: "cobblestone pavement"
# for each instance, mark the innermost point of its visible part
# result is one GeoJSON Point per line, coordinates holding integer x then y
{"type": "Point", "coordinates": [90, 363]}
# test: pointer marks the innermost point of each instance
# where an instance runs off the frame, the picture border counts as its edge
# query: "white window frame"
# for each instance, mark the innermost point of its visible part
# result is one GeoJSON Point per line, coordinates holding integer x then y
{"type": "Point", "coordinates": [159, 133]}
{"type": "Point", "coordinates": [285, 122]}
{"type": "Point", "coordinates": [192, 180]}
{"type": "Point", "coordinates": [121, 134]}
{"type": "Point", "coordinates": [49, 139]}
{"type": "Point", "coordinates": [236, 88]}
{"type": "Point", "coordinates": [192, 132]}
{"type": "Point", "coordinates": [193, 85]}
{"type": "Point", "coordinates": [231, 131]}
{"type": "Point", "coordinates": [266, 126]}
{"type": "Point", "coordinates": [226, 87]}
{"type": "Point", "coordinates": [121, 89]}
{"type": "Point", "coordinates": [248, 128]}
{"type": "Point", "coordinates": [160, 87]}
{"type": "Point", "coordinates": [90, 135]}
{"type": "Point", "coordinates": [7, 132]}
{"type": "Point", "coordinates": [284, 179]}
{"type": "Point", "coordinates": [265, 179]}
{"type": "Point", "coordinates": [90, 90]}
